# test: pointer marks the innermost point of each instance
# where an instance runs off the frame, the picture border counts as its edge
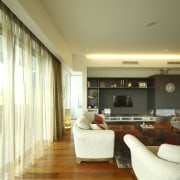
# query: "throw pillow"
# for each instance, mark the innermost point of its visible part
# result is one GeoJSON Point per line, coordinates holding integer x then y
{"type": "Point", "coordinates": [96, 125]}
{"type": "Point", "coordinates": [89, 116]}
{"type": "Point", "coordinates": [99, 119]}
{"type": "Point", "coordinates": [169, 152]}
{"type": "Point", "coordinates": [82, 123]}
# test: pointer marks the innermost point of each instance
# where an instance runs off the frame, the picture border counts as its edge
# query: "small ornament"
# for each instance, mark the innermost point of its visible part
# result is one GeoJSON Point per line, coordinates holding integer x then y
{"type": "Point", "coordinates": [94, 94]}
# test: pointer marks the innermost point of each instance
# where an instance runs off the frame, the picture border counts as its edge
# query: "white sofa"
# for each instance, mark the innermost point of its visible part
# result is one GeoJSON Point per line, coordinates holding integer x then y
{"type": "Point", "coordinates": [91, 142]}
{"type": "Point", "coordinates": [165, 165]}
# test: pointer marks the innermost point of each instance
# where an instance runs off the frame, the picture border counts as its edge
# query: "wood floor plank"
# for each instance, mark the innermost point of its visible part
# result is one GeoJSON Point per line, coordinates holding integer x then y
{"type": "Point", "coordinates": [59, 162]}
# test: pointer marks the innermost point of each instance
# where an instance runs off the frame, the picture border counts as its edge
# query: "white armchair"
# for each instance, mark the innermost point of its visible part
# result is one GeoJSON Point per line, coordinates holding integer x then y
{"type": "Point", "coordinates": [175, 123]}
{"type": "Point", "coordinates": [92, 145]}
{"type": "Point", "coordinates": [165, 165]}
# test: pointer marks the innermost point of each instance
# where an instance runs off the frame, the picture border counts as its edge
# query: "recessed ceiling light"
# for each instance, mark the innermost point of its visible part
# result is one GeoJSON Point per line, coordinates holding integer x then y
{"type": "Point", "coordinates": [151, 24]}
{"type": "Point", "coordinates": [130, 62]}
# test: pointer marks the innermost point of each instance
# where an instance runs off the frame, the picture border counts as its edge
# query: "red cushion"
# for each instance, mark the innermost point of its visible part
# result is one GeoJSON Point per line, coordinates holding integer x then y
{"type": "Point", "coordinates": [98, 119]}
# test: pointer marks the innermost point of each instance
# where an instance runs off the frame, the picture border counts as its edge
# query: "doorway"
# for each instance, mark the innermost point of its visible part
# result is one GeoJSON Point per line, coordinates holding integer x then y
{"type": "Point", "coordinates": [76, 96]}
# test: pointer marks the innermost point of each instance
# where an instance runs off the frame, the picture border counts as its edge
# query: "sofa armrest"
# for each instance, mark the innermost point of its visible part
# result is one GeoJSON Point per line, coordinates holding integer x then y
{"type": "Point", "coordinates": [147, 165]}
{"type": "Point", "coordinates": [93, 143]}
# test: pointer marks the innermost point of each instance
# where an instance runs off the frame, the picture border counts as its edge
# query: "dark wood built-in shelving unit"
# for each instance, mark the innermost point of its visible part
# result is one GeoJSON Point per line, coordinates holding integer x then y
{"type": "Point", "coordinates": [148, 94]}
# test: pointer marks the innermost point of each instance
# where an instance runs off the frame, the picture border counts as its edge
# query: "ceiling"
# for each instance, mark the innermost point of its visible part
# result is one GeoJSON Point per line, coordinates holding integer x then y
{"type": "Point", "coordinates": [72, 29]}
{"type": "Point", "coordinates": [117, 26]}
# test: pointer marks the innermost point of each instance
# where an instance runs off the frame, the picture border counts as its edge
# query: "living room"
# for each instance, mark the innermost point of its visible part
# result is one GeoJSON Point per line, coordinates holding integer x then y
{"type": "Point", "coordinates": [139, 39]}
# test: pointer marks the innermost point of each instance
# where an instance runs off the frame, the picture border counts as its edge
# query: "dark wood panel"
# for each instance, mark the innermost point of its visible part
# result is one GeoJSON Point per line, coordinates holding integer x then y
{"type": "Point", "coordinates": [139, 99]}
{"type": "Point", "coordinates": [163, 99]}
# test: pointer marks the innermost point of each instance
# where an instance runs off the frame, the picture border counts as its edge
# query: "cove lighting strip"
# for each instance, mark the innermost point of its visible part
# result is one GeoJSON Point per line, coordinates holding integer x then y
{"type": "Point", "coordinates": [134, 56]}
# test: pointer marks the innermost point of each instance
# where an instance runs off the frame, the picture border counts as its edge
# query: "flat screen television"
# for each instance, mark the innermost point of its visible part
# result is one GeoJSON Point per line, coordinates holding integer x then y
{"type": "Point", "coordinates": [122, 101]}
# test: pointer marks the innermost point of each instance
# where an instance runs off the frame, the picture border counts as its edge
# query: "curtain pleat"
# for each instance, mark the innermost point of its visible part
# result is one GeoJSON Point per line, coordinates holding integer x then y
{"type": "Point", "coordinates": [58, 103]}
{"type": "Point", "coordinates": [31, 102]}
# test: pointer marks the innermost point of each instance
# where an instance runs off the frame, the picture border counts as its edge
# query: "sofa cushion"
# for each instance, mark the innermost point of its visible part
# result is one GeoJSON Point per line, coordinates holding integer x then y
{"type": "Point", "coordinates": [169, 152]}
{"type": "Point", "coordinates": [89, 116]}
{"type": "Point", "coordinates": [83, 123]}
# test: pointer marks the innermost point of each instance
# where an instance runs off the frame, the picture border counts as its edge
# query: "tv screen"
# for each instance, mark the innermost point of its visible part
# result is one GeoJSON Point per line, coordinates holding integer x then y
{"type": "Point", "coordinates": [122, 101]}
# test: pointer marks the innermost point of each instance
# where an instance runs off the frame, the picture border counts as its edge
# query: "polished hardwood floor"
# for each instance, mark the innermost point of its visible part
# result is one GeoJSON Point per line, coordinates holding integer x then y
{"type": "Point", "coordinates": [59, 163]}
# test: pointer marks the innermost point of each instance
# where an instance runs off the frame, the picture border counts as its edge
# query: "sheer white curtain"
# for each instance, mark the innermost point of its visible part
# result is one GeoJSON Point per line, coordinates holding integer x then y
{"type": "Point", "coordinates": [26, 96]}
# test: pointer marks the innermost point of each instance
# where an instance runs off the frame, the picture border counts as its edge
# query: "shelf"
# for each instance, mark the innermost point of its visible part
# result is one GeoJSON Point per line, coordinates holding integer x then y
{"type": "Point", "coordinates": [127, 88]}
{"type": "Point", "coordinates": [97, 86]}
{"type": "Point", "coordinates": [93, 82]}
{"type": "Point", "coordinates": [92, 97]}
{"type": "Point", "coordinates": [120, 83]}
{"type": "Point", "coordinates": [93, 87]}
{"type": "Point", "coordinates": [130, 119]}
{"type": "Point", "coordinates": [92, 93]}
{"type": "Point", "coordinates": [93, 110]}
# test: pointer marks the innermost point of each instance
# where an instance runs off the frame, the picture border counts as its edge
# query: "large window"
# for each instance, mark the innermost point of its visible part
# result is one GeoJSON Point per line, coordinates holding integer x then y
{"type": "Point", "coordinates": [27, 96]}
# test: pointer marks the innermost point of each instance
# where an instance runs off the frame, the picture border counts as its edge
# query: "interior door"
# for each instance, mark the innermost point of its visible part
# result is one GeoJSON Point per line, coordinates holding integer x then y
{"type": "Point", "coordinates": [76, 96]}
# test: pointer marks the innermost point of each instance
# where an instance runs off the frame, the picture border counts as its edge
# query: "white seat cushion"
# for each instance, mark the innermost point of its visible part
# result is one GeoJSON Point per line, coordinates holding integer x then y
{"type": "Point", "coordinates": [169, 152]}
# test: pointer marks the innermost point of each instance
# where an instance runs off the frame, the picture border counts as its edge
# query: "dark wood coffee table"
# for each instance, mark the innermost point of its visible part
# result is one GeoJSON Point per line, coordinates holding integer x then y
{"type": "Point", "coordinates": [154, 135]}
{"type": "Point", "coordinates": [161, 133]}
{"type": "Point", "coordinates": [150, 137]}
